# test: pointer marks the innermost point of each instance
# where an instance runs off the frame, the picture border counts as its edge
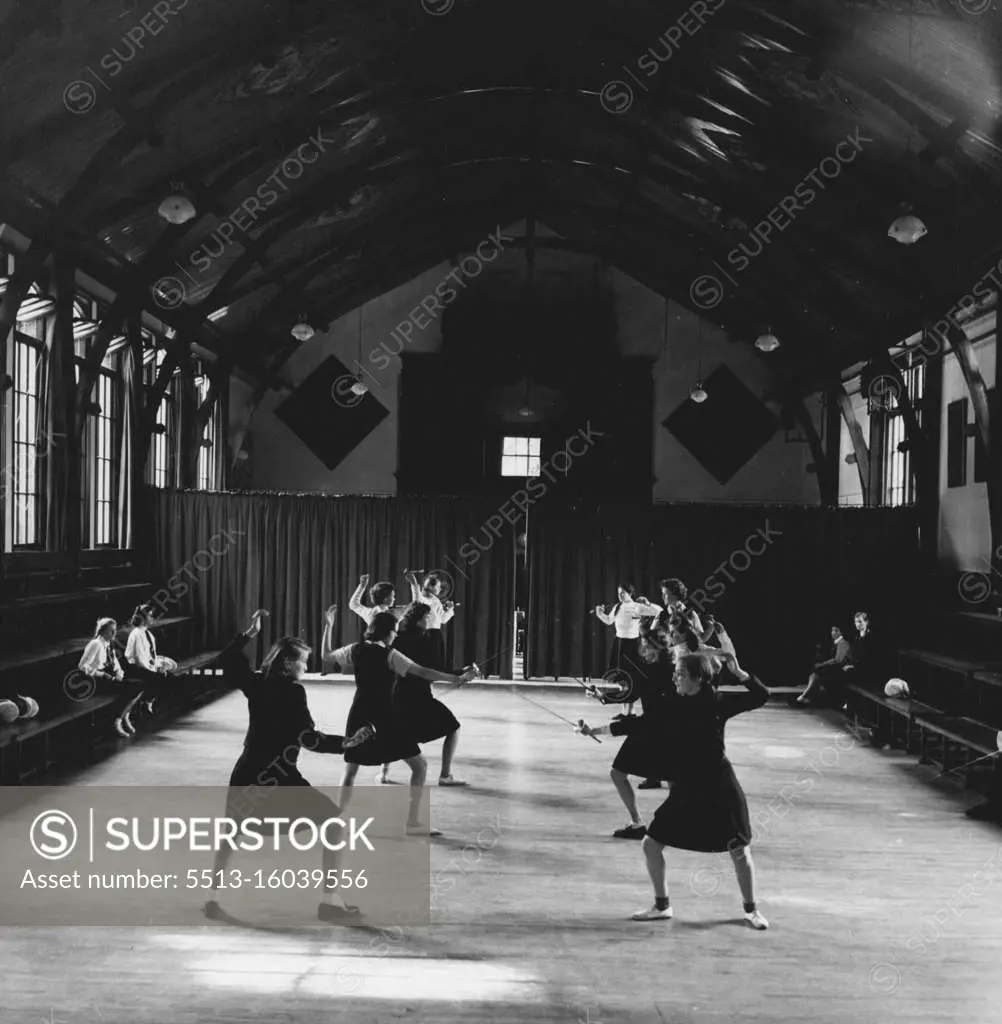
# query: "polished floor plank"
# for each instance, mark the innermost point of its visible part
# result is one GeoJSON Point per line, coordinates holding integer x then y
{"type": "Point", "coordinates": [862, 867]}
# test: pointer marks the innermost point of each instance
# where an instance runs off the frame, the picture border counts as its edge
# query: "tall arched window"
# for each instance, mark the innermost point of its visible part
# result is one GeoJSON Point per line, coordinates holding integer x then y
{"type": "Point", "coordinates": [161, 461]}
{"type": "Point", "coordinates": [100, 458]}
{"type": "Point", "coordinates": [23, 477]}
{"type": "Point", "coordinates": [208, 452]}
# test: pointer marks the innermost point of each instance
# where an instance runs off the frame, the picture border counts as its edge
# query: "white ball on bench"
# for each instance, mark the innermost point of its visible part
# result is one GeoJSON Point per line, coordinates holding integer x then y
{"type": "Point", "coordinates": [8, 712]}
{"type": "Point", "coordinates": [896, 688]}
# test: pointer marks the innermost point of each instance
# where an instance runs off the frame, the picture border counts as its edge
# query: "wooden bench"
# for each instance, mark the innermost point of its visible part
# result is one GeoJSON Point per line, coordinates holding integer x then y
{"type": "Point", "coordinates": [65, 614]}
{"type": "Point", "coordinates": [952, 742]}
{"type": "Point", "coordinates": [74, 645]}
{"type": "Point", "coordinates": [70, 733]}
{"type": "Point", "coordinates": [894, 717]}
{"type": "Point", "coordinates": [953, 685]}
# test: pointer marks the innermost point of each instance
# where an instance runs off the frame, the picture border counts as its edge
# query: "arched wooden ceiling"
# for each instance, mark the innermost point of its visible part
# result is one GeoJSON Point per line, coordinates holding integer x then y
{"type": "Point", "coordinates": [438, 122]}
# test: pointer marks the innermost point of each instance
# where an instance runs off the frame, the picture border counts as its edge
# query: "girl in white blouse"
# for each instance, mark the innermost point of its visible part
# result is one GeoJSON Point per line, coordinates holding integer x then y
{"type": "Point", "coordinates": [141, 647]}
{"type": "Point", "coordinates": [429, 593]}
{"type": "Point", "coordinates": [99, 661]}
{"type": "Point", "coordinates": [627, 615]}
{"type": "Point", "coordinates": [382, 596]}
{"type": "Point", "coordinates": [142, 661]}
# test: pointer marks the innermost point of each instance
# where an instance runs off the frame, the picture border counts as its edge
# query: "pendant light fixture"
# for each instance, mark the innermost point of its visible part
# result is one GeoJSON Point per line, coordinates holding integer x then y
{"type": "Point", "coordinates": [302, 331]}
{"type": "Point", "coordinates": [177, 208]}
{"type": "Point", "coordinates": [907, 229]}
{"type": "Point", "coordinates": [698, 393]}
{"type": "Point", "coordinates": [525, 409]}
{"type": "Point", "coordinates": [359, 387]}
{"type": "Point", "coordinates": [767, 342]}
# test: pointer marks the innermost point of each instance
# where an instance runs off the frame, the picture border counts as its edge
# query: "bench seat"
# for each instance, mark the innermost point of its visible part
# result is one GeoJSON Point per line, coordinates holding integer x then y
{"type": "Point", "coordinates": [75, 645]}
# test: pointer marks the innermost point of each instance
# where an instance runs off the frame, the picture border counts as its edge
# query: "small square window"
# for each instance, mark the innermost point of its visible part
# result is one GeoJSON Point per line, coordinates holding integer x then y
{"type": "Point", "coordinates": [520, 456]}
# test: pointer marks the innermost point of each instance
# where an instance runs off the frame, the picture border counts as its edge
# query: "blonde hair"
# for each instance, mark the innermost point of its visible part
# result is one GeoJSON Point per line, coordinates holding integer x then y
{"type": "Point", "coordinates": [102, 624]}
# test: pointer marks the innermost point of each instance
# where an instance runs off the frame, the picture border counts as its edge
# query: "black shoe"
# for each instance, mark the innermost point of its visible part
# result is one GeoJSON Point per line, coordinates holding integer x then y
{"type": "Point", "coordinates": [985, 812]}
{"type": "Point", "coordinates": [650, 784]}
{"type": "Point", "coordinates": [630, 832]}
{"type": "Point", "coordinates": [338, 915]}
{"type": "Point", "coordinates": [212, 910]}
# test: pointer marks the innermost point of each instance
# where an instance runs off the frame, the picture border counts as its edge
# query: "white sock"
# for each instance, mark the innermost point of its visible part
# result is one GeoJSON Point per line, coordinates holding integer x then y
{"type": "Point", "coordinates": [334, 898]}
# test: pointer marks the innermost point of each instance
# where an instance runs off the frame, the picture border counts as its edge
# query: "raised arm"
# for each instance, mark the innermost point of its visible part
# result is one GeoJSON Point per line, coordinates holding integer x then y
{"type": "Point", "coordinates": [603, 616]}
{"type": "Point", "coordinates": [448, 611]}
{"type": "Point", "coordinates": [647, 610]}
{"type": "Point", "coordinates": [355, 601]}
{"type": "Point", "coordinates": [327, 640]}
{"type": "Point", "coordinates": [411, 577]}
{"type": "Point", "coordinates": [232, 657]}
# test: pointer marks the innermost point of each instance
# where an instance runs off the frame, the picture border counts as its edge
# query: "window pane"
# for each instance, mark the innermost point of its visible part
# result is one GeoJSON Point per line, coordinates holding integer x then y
{"type": "Point", "coordinates": [956, 443]}
{"type": "Point", "coordinates": [534, 445]}
{"type": "Point", "coordinates": [533, 467]}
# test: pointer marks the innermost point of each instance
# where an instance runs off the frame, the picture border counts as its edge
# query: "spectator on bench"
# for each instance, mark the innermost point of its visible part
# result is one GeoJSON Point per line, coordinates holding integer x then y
{"type": "Point", "coordinates": [867, 664]}
{"type": "Point", "coordinates": [99, 661]}
{"type": "Point", "coordinates": [828, 675]}
{"type": "Point", "coordinates": [143, 664]}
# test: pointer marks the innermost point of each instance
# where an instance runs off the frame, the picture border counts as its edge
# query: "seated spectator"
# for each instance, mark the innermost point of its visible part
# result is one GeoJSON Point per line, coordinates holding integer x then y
{"type": "Point", "coordinates": [828, 675]}
{"type": "Point", "coordinates": [867, 665]}
{"type": "Point", "coordinates": [143, 664]}
{"type": "Point", "coordinates": [100, 662]}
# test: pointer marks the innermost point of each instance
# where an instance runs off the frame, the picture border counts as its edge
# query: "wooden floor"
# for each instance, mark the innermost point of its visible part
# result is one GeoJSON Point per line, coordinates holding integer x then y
{"type": "Point", "coordinates": [869, 877]}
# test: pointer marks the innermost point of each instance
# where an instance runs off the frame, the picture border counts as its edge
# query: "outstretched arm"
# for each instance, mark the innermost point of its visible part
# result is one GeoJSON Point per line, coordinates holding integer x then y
{"type": "Point", "coordinates": [403, 666]}
{"type": "Point", "coordinates": [603, 616]}
{"type": "Point", "coordinates": [342, 658]}
{"type": "Point", "coordinates": [355, 601]}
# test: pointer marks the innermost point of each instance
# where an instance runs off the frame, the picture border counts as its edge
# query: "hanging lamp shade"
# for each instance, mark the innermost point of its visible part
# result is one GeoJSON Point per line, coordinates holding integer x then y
{"type": "Point", "coordinates": [302, 331]}
{"type": "Point", "coordinates": [698, 395]}
{"type": "Point", "coordinates": [177, 209]}
{"type": "Point", "coordinates": [767, 342]}
{"type": "Point", "coordinates": [907, 229]}
{"type": "Point", "coordinates": [358, 388]}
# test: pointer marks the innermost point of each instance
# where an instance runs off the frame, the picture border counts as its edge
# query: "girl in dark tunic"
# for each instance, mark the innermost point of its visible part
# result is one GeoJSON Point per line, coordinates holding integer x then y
{"type": "Point", "coordinates": [649, 749]}
{"type": "Point", "coordinates": [280, 726]}
{"type": "Point", "coordinates": [376, 667]}
{"type": "Point", "coordinates": [414, 707]}
{"type": "Point", "coordinates": [706, 809]}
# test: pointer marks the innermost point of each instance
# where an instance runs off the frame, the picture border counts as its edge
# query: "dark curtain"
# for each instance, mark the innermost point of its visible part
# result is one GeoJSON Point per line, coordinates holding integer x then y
{"type": "Point", "coordinates": [777, 576]}
{"type": "Point", "coordinates": [578, 553]}
{"type": "Point", "coordinates": [220, 556]}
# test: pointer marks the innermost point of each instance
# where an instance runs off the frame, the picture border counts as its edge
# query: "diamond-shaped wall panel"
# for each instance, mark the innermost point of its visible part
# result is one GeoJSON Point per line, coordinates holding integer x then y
{"type": "Point", "coordinates": [327, 417]}
{"type": "Point", "coordinates": [726, 430]}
